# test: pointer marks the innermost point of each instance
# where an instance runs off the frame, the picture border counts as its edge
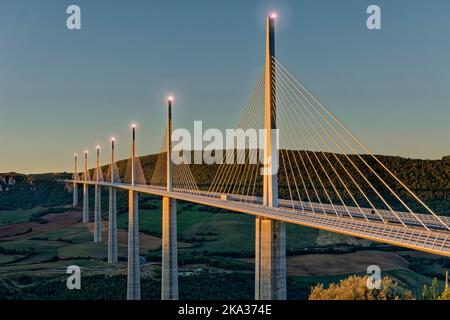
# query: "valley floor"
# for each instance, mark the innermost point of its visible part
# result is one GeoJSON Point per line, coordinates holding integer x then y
{"type": "Point", "coordinates": [216, 251]}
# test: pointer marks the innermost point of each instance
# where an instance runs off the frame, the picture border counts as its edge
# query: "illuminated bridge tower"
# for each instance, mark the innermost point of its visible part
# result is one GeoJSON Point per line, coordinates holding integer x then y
{"type": "Point", "coordinates": [134, 273]}
{"type": "Point", "coordinates": [86, 190]}
{"type": "Point", "coordinates": [112, 222]}
{"type": "Point", "coordinates": [97, 201]}
{"type": "Point", "coordinates": [270, 244]}
{"type": "Point", "coordinates": [75, 184]}
{"type": "Point", "coordinates": [169, 284]}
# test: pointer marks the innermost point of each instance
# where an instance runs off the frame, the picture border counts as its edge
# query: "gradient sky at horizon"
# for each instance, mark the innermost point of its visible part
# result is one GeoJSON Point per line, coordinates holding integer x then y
{"type": "Point", "coordinates": [64, 91]}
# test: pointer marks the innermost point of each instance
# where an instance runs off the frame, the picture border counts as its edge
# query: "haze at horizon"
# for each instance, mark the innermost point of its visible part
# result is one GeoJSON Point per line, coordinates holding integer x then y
{"type": "Point", "coordinates": [64, 91]}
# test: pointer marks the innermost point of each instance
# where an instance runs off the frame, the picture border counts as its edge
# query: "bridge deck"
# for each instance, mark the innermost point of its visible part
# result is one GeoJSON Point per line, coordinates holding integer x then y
{"type": "Point", "coordinates": [414, 236]}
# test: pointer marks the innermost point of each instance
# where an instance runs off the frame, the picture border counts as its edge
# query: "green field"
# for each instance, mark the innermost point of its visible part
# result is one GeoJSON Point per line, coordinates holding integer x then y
{"type": "Point", "coordinates": [217, 232]}
{"type": "Point", "coordinates": [220, 244]}
{"type": "Point", "coordinates": [8, 217]}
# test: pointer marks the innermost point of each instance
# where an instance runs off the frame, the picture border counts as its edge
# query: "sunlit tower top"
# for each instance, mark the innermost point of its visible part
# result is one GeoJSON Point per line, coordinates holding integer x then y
{"type": "Point", "coordinates": [169, 144]}
{"type": "Point", "coordinates": [133, 154]}
{"type": "Point", "coordinates": [113, 146]}
{"type": "Point", "coordinates": [270, 186]}
{"type": "Point", "coordinates": [97, 164]}
{"type": "Point", "coordinates": [75, 166]}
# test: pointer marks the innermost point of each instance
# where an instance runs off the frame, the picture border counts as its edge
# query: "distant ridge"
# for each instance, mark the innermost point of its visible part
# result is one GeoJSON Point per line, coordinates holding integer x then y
{"type": "Point", "coordinates": [429, 179]}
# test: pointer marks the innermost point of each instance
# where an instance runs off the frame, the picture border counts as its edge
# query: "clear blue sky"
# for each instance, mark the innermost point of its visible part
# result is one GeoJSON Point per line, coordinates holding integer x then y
{"type": "Point", "coordinates": [63, 91]}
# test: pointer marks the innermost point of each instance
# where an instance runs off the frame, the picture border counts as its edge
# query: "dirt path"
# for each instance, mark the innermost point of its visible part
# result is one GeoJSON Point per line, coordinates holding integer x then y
{"type": "Point", "coordinates": [337, 264]}
{"type": "Point", "coordinates": [57, 221]}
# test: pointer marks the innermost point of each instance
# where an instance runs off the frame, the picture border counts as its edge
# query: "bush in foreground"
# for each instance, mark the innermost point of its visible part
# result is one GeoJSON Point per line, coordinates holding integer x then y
{"type": "Point", "coordinates": [355, 288]}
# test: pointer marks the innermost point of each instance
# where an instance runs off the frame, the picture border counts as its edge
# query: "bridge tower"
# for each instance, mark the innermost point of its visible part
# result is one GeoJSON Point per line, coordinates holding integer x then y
{"type": "Point", "coordinates": [97, 202]}
{"type": "Point", "coordinates": [112, 221]}
{"type": "Point", "coordinates": [169, 285]}
{"type": "Point", "coordinates": [86, 190]}
{"type": "Point", "coordinates": [75, 184]}
{"type": "Point", "coordinates": [134, 274]}
{"type": "Point", "coordinates": [270, 244]}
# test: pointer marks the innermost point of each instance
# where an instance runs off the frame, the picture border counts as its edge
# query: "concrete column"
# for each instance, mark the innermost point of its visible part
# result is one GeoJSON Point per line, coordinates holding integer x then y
{"type": "Point", "coordinates": [75, 194]}
{"type": "Point", "coordinates": [169, 278]}
{"type": "Point", "coordinates": [85, 191]}
{"type": "Point", "coordinates": [270, 235]}
{"type": "Point", "coordinates": [169, 285]}
{"type": "Point", "coordinates": [98, 215]}
{"type": "Point", "coordinates": [97, 203]}
{"type": "Point", "coordinates": [270, 260]}
{"type": "Point", "coordinates": [85, 203]}
{"type": "Point", "coordinates": [112, 227]}
{"type": "Point", "coordinates": [134, 273]}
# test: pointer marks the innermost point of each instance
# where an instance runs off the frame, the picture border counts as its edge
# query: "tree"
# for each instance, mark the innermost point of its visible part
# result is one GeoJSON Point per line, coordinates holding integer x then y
{"type": "Point", "coordinates": [431, 292]}
{"type": "Point", "coordinates": [355, 288]}
{"type": "Point", "coordinates": [445, 294]}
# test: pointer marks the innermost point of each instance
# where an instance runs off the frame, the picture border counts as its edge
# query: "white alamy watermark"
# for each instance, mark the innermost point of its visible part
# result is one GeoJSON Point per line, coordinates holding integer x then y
{"type": "Point", "coordinates": [74, 280]}
{"type": "Point", "coordinates": [73, 21]}
{"type": "Point", "coordinates": [374, 279]}
{"type": "Point", "coordinates": [236, 146]}
{"type": "Point", "coordinates": [374, 20]}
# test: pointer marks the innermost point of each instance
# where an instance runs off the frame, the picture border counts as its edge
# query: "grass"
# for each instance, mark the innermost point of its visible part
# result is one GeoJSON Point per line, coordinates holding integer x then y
{"type": "Point", "coordinates": [217, 232]}
{"type": "Point", "coordinates": [40, 250]}
{"type": "Point", "coordinates": [76, 234]}
{"type": "Point", "coordinates": [412, 280]}
{"type": "Point", "coordinates": [221, 233]}
{"type": "Point", "coordinates": [16, 216]}
{"type": "Point", "coordinates": [149, 220]}
{"type": "Point", "coordinates": [4, 258]}
{"type": "Point", "coordinates": [85, 250]}
{"type": "Point", "coordinates": [326, 280]}
{"type": "Point", "coordinates": [233, 232]}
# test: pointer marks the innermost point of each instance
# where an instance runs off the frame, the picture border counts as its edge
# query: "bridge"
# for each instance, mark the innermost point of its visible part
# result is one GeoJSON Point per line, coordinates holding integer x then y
{"type": "Point", "coordinates": [314, 173]}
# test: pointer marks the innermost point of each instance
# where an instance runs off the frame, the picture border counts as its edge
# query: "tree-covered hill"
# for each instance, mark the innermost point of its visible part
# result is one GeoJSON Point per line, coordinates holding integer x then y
{"type": "Point", "coordinates": [429, 179]}
{"type": "Point", "coordinates": [27, 191]}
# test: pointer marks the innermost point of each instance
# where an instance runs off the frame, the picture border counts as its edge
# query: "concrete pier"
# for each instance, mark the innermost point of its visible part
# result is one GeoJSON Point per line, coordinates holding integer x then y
{"type": "Point", "coordinates": [75, 194]}
{"type": "Point", "coordinates": [270, 260]}
{"type": "Point", "coordinates": [270, 235]}
{"type": "Point", "coordinates": [112, 227]}
{"type": "Point", "coordinates": [85, 203]}
{"type": "Point", "coordinates": [98, 214]}
{"type": "Point", "coordinates": [134, 273]}
{"type": "Point", "coordinates": [169, 285]}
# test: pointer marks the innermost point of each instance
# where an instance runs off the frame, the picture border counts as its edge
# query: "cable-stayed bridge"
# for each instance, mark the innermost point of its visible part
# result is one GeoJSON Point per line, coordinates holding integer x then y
{"type": "Point", "coordinates": [312, 171]}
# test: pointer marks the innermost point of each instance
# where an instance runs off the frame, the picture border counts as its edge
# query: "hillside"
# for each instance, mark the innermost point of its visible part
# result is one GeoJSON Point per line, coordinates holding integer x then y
{"type": "Point", "coordinates": [216, 248]}
{"type": "Point", "coordinates": [20, 191]}
{"type": "Point", "coordinates": [429, 179]}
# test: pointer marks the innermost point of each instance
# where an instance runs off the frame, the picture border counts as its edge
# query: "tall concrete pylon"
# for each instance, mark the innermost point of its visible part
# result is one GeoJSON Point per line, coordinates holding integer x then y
{"type": "Point", "coordinates": [112, 221]}
{"type": "Point", "coordinates": [169, 284]}
{"type": "Point", "coordinates": [97, 202]}
{"type": "Point", "coordinates": [75, 184]}
{"type": "Point", "coordinates": [270, 242]}
{"type": "Point", "coordinates": [86, 190]}
{"type": "Point", "coordinates": [134, 274]}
